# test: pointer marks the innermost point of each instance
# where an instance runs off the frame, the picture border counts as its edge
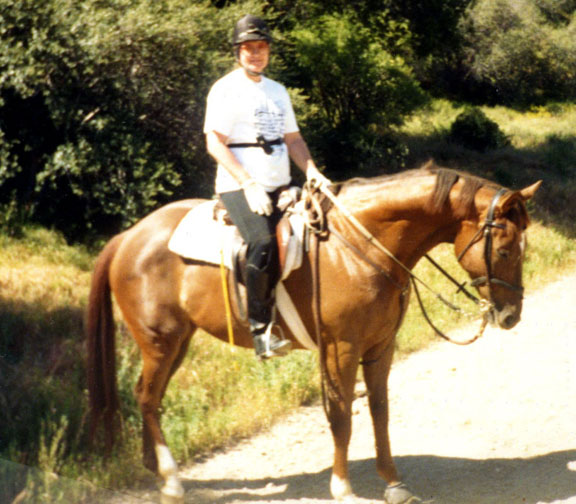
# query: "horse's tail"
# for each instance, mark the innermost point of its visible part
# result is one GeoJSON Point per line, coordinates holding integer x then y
{"type": "Point", "coordinates": [101, 365]}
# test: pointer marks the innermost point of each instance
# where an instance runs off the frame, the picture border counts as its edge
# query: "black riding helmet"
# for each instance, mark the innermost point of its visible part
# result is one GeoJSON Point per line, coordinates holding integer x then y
{"type": "Point", "coordinates": [250, 28]}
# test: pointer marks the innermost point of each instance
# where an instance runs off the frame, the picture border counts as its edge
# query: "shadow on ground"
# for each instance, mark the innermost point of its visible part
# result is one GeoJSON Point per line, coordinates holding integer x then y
{"type": "Point", "coordinates": [443, 480]}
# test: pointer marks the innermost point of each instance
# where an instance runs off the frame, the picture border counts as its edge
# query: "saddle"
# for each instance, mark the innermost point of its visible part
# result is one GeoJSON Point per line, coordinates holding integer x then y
{"type": "Point", "coordinates": [226, 246]}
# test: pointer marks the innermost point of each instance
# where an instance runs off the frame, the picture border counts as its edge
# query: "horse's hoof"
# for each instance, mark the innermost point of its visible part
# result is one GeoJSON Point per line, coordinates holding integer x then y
{"type": "Point", "coordinates": [172, 492]}
{"type": "Point", "coordinates": [340, 489]}
{"type": "Point", "coordinates": [399, 494]}
{"type": "Point", "coordinates": [171, 499]}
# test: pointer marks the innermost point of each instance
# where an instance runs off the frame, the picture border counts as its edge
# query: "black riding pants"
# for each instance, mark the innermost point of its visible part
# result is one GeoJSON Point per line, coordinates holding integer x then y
{"type": "Point", "coordinates": [262, 263]}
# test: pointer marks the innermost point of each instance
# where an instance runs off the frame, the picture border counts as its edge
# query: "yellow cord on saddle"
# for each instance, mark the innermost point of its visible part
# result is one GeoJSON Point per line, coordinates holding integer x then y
{"type": "Point", "coordinates": [226, 299]}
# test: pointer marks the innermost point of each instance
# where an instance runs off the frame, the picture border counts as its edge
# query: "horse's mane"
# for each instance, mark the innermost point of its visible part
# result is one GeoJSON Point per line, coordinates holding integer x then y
{"type": "Point", "coordinates": [445, 179]}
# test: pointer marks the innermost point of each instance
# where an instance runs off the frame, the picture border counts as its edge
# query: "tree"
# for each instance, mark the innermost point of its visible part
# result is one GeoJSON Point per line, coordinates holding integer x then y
{"type": "Point", "coordinates": [102, 106]}
{"type": "Point", "coordinates": [524, 50]}
{"type": "Point", "coordinates": [356, 91]}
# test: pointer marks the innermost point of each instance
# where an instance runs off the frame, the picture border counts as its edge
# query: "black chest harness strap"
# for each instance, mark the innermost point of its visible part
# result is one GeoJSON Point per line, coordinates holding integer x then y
{"type": "Point", "coordinates": [266, 145]}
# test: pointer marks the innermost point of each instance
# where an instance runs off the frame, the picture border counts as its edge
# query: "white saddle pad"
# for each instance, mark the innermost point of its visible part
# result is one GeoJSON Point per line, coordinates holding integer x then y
{"type": "Point", "coordinates": [200, 237]}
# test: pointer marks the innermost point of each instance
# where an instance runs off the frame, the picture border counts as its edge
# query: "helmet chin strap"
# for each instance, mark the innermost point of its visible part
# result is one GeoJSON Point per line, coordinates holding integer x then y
{"type": "Point", "coordinates": [252, 72]}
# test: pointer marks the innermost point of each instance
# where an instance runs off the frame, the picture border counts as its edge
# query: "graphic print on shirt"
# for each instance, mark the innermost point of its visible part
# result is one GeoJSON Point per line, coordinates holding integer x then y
{"type": "Point", "coordinates": [269, 120]}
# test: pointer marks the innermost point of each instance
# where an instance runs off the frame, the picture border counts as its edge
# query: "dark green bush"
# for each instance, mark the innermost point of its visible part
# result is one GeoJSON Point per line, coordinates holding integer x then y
{"type": "Point", "coordinates": [357, 92]}
{"type": "Point", "coordinates": [560, 154]}
{"type": "Point", "coordinates": [474, 130]}
{"type": "Point", "coordinates": [101, 108]}
{"type": "Point", "coordinates": [524, 50]}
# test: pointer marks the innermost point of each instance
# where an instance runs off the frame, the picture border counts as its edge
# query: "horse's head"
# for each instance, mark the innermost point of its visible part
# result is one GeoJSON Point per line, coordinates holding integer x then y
{"type": "Point", "coordinates": [490, 247]}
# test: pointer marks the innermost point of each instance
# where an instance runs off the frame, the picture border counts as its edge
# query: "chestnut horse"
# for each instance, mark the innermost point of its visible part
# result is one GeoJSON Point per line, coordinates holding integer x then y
{"type": "Point", "coordinates": [163, 299]}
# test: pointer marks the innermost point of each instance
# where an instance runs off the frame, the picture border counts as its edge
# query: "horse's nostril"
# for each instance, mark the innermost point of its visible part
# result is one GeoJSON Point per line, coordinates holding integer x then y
{"type": "Point", "coordinates": [509, 321]}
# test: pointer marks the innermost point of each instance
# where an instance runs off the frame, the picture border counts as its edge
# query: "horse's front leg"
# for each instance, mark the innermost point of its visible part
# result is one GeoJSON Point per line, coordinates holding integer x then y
{"type": "Point", "coordinates": [340, 375]}
{"type": "Point", "coordinates": [377, 363]}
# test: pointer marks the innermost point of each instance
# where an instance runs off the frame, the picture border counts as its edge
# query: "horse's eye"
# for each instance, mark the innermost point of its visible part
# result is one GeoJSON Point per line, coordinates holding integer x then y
{"type": "Point", "coordinates": [503, 253]}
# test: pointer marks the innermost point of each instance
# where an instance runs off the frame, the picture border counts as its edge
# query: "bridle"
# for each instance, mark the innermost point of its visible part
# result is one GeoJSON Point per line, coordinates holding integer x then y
{"type": "Point", "coordinates": [486, 230]}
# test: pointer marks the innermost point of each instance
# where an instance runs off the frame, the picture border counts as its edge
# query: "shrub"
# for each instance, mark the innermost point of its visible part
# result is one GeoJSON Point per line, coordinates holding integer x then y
{"type": "Point", "coordinates": [102, 105]}
{"type": "Point", "coordinates": [560, 154]}
{"type": "Point", "coordinates": [474, 130]}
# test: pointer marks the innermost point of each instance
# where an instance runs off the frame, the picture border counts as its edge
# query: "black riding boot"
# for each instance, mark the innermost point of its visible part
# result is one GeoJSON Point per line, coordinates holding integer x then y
{"type": "Point", "coordinates": [260, 314]}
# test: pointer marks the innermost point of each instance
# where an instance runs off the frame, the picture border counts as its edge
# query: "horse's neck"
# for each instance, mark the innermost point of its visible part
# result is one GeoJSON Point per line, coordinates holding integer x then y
{"type": "Point", "coordinates": [399, 215]}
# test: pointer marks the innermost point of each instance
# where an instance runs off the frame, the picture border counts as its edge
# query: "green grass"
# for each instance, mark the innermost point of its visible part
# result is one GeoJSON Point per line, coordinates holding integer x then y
{"type": "Point", "coordinates": [542, 147]}
{"type": "Point", "coordinates": [218, 395]}
{"type": "Point", "coordinates": [529, 129]}
{"type": "Point", "coordinates": [221, 394]}
{"type": "Point", "coordinates": [526, 129]}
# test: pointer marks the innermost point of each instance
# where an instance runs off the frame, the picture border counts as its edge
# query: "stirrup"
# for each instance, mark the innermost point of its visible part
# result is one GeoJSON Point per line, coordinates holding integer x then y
{"type": "Point", "coordinates": [268, 345]}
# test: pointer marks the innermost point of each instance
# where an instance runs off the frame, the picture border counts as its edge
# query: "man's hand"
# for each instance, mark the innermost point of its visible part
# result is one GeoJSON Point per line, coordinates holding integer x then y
{"type": "Point", "coordinates": [315, 177]}
{"type": "Point", "coordinates": [257, 197]}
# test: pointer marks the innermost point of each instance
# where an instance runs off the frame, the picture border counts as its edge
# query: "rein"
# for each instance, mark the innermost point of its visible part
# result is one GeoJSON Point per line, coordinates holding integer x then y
{"type": "Point", "coordinates": [316, 225]}
{"type": "Point", "coordinates": [486, 229]}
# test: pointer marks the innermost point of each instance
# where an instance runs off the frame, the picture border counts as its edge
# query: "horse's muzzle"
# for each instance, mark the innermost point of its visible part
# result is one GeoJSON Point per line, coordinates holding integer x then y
{"type": "Point", "coordinates": [505, 318]}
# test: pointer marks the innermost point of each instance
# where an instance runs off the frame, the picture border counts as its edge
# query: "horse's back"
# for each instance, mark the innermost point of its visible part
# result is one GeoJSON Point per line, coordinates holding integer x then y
{"type": "Point", "coordinates": [166, 218]}
{"type": "Point", "coordinates": [143, 251]}
{"type": "Point", "coordinates": [146, 277]}
{"type": "Point", "coordinates": [156, 228]}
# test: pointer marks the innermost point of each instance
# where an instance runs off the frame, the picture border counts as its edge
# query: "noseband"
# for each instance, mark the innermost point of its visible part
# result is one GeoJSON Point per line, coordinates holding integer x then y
{"type": "Point", "coordinates": [486, 230]}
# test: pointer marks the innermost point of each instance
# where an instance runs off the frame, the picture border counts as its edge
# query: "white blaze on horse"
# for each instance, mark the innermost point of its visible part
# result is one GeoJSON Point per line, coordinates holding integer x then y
{"type": "Point", "coordinates": [164, 299]}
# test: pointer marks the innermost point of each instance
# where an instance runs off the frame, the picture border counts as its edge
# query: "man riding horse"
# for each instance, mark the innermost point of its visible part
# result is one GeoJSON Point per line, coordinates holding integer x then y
{"type": "Point", "coordinates": [251, 131]}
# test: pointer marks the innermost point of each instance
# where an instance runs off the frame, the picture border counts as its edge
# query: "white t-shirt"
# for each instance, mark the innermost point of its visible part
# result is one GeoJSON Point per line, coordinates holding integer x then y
{"type": "Point", "coordinates": [242, 110]}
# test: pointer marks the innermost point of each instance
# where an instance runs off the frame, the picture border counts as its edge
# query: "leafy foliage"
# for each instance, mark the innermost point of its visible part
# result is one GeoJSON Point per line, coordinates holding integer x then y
{"type": "Point", "coordinates": [523, 49]}
{"type": "Point", "coordinates": [102, 106]}
{"type": "Point", "coordinates": [357, 89]}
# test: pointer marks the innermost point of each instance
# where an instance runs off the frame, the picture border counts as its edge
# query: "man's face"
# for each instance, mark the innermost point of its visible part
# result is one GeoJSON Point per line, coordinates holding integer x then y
{"type": "Point", "coordinates": [254, 56]}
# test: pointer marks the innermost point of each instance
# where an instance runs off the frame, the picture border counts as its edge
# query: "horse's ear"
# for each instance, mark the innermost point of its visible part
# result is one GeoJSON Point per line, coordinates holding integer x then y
{"type": "Point", "coordinates": [510, 199]}
{"type": "Point", "coordinates": [529, 191]}
{"type": "Point", "coordinates": [512, 204]}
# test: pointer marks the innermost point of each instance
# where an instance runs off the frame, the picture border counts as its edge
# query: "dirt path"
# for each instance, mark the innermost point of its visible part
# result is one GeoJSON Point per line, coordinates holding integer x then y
{"type": "Point", "coordinates": [491, 423]}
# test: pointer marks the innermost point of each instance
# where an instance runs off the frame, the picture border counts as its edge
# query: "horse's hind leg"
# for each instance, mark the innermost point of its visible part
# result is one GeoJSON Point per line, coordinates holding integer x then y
{"type": "Point", "coordinates": [162, 354]}
{"type": "Point", "coordinates": [150, 390]}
